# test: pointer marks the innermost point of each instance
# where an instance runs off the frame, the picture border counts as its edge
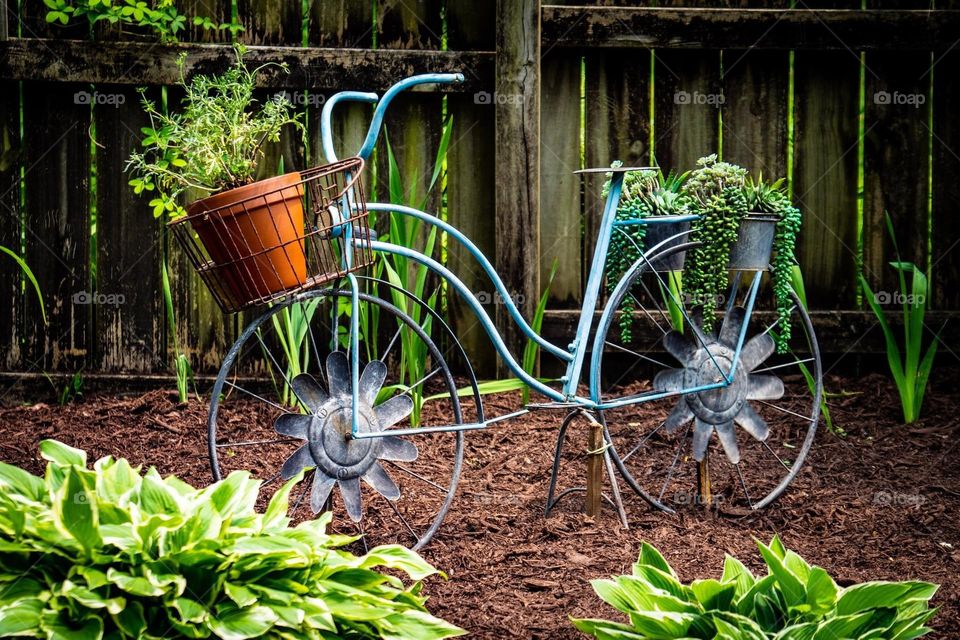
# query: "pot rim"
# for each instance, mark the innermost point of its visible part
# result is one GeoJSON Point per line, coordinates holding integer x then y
{"type": "Point", "coordinates": [259, 190]}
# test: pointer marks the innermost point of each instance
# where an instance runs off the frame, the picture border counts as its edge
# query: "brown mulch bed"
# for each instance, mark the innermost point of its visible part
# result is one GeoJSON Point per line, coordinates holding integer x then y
{"type": "Point", "coordinates": [882, 502]}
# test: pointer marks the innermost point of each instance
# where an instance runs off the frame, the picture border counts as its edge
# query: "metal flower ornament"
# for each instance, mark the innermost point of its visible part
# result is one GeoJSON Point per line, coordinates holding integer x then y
{"type": "Point", "coordinates": [338, 458]}
{"type": "Point", "coordinates": [719, 409]}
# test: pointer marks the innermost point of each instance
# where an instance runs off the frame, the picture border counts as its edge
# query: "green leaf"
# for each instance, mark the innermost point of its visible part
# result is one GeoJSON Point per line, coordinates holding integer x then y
{"type": "Point", "coordinates": [871, 595]}
{"type": "Point", "coordinates": [20, 618]}
{"type": "Point", "coordinates": [62, 454]}
{"type": "Point", "coordinates": [134, 585]}
{"type": "Point", "coordinates": [59, 626]}
{"type": "Point", "coordinates": [239, 624]}
{"type": "Point", "coordinates": [789, 583]}
{"type": "Point", "coordinates": [650, 557]}
{"type": "Point", "coordinates": [76, 512]}
{"type": "Point", "coordinates": [821, 591]}
{"type": "Point", "coordinates": [713, 595]}
{"type": "Point", "coordinates": [23, 265]}
{"type": "Point", "coordinates": [15, 480]}
{"type": "Point", "coordinates": [736, 571]}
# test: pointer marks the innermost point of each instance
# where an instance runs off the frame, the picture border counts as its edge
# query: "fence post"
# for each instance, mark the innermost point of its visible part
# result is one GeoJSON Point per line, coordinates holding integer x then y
{"type": "Point", "coordinates": [10, 290]}
{"type": "Point", "coordinates": [517, 224]}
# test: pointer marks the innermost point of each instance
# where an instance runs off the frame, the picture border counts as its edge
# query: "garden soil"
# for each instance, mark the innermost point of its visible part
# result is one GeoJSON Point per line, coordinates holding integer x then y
{"type": "Point", "coordinates": [880, 502]}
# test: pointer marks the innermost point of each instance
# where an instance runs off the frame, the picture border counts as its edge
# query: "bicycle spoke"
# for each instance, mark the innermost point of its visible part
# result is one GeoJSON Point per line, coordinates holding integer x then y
{"type": "Point", "coordinates": [390, 345]}
{"type": "Point", "coordinates": [643, 442]}
{"type": "Point", "coordinates": [422, 380]}
{"type": "Point", "coordinates": [781, 366]}
{"type": "Point", "coordinates": [774, 454]}
{"type": "Point", "coordinates": [787, 411]}
{"type": "Point", "coordinates": [258, 397]}
{"type": "Point", "coordinates": [250, 443]}
{"type": "Point", "coordinates": [743, 484]}
{"type": "Point", "coordinates": [639, 355]}
{"type": "Point", "coordinates": [418, 476]}
{"type": "Point", "coordinates": [406, 524]}
{"type": "Point", "coordinates": [676, 458]}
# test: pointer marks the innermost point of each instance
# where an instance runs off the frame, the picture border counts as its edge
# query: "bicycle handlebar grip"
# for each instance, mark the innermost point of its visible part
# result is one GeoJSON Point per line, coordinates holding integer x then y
{"type": "Point", "coordinates": [326, 133]}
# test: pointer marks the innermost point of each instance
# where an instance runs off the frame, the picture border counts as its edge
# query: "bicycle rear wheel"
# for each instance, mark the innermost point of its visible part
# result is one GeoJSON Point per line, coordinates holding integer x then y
{"type": "Point", "coordinates": [753, 436]}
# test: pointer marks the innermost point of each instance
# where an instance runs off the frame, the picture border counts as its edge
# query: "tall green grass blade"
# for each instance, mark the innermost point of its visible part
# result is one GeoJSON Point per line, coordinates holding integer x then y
{"type": "Point", "coordinates": [29, 274]}
{"type": "Point", "coordinates": [532, 349]}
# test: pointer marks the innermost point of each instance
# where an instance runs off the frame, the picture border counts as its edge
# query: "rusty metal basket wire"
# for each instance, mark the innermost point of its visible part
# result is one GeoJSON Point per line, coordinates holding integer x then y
{"type": "Point", "coordinates": [282, 240]}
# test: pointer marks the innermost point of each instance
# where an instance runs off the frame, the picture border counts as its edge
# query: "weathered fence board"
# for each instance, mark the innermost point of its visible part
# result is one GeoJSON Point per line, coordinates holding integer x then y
{"type": "Point", "coordinates": [755, 110]}
{"type": "Point", "coordinates": [896, 160]}
{"type": "Point", "coordinates": [825, 179]}
{"type": "Point", "coordinates": [518, 157]}
{"type": "Point", "coordinates": [129, 322]}
{"type": "Point", "coordinates": [716, 28]}
{"type": "Point", "coordinates": [945, 256]}
{"type": "Point", "coordinates": [687, 107]}
{"type": "Point", "coordinates": [11, 314]}
{"type": "Point", "coordinates": [560, 210]}
{"type": "Point", "coordinates": [470, 180]}
{"type": "Point", "coordinates": [618, 126]}
{"type": "Point", "coordinates": [57, 223]}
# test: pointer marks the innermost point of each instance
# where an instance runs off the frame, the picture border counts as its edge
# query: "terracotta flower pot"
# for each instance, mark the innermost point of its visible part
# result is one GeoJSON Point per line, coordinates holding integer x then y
{"type": "Point", "coordinates": [254, 235]}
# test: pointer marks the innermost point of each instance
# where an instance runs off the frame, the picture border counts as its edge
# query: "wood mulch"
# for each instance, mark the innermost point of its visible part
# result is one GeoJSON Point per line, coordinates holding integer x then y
{"type": "Point", "coordinates": [881, 502]}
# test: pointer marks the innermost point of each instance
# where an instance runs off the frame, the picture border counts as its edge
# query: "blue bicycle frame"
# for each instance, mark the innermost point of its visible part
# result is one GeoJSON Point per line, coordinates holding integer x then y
{"type": "Point", "coordinates": [575, 353]}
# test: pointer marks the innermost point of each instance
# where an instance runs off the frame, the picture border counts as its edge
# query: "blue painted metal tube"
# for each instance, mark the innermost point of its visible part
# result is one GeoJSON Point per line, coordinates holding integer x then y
{"type": "Point", "coordinates": [326, 132]}
{"type": "Point", "coordinates": [457, 235]}
{"type": "Point", "coordinates": [427, 78]}
{"type": "Point", "coordinates": [475, 306]}
{"type": "Point", "coordinates": [751, 298]}
{"type": "Point", "coordinates": [592, 292]}
{"type": "Point", "coordinates": [354, 352]}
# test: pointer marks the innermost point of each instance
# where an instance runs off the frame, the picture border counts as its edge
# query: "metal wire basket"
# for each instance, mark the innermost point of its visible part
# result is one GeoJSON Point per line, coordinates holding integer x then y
{"type": "Point", "coordinates": [273, 238]}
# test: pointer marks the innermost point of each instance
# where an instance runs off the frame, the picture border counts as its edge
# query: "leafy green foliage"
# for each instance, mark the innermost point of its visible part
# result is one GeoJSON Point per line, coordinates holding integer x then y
{"type": "Point", "coordinates": [25, 268]}
{"type": "Point", "coordinates": [910, 372]}
{"type": "Point", "coordinates": [159, 16]}
{"type": "Point", "coordinates": [771, 198]}
{"type": "Point", "coordinates": [717, 196]}
{"type": "Point", "coordinates": [532, 349]}
{"type": "Point", "coordinates": [292, 328]}
{"type": "Point", "coordinates": [794, 601]}
{"type": "Point", "coordinates": [181, 363]}
{"type": "Point", "coordinates": [215, 143]}
{"type": "Point", "coordinates": [108, 553]}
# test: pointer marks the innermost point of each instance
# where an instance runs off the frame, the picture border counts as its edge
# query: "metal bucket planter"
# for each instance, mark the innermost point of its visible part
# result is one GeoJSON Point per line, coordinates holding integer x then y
{"type": "Point", "coordinates": [754, 243]}
{"type": "Point", "coordinates": [663, 232]}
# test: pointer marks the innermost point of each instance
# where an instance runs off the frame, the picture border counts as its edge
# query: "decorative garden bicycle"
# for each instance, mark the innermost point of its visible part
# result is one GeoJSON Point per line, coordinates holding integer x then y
{"type": "Point", "coordinates": [351, 374]}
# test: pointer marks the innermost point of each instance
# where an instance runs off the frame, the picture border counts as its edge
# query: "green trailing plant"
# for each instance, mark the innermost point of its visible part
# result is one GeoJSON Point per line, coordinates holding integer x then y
{"type": "Point", "coordinates": [716, 195]}
{"type": "Point", "coordinates": [531, 350]}
{"type": "Point", "coordinates": [181, 363]}
{"type": "Point", "coordinates": [160, 17]}
{"type": "Point", "coordinates": [771, 197]}
{"type": "Point", "coordinates": [72, 390]}
{"type": "Point", "coordinates": [215, 143]}
{"type": "Point", "coordinates": [911, 367]}
{"type": "Point", "coordinates": [644, 194]}
{"type": "Point", "coordinates": [32, 279]}
{"type": "Point", "coordinates": [110, 553]}
{"type": "Point", "coordinates": [794, 601]}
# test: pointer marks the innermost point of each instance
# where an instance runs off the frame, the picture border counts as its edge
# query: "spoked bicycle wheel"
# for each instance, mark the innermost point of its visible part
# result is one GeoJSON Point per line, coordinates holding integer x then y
{"type": "Point", "coordinates": [282, 403]}
{"type": "Point", "coordinates": [746, 441]}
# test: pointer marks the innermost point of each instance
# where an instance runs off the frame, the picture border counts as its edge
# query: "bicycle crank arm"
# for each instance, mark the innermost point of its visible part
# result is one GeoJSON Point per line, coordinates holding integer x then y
{"type": "Point", "coordinates": [470, 426]}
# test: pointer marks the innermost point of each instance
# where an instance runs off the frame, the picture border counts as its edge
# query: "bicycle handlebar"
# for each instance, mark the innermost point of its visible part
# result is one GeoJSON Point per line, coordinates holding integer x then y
{"type": "Point", "coordinates": [377, 121]}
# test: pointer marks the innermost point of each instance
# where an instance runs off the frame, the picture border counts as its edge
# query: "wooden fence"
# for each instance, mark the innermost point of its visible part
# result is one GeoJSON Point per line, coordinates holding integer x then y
{"type": "Point", "coordinates": [851, 104]}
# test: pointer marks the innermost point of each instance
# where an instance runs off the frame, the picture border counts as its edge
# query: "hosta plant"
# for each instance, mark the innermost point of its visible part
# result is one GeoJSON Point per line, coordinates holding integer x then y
{"type": "Point", "coordinates": [108, 553]}
{"type": "Point", "coordinates": [793, 601]}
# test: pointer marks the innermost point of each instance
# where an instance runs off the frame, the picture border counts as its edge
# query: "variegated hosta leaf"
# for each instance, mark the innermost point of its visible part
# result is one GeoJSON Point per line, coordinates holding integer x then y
{"type": "Point", "coordinates": [110, 553]}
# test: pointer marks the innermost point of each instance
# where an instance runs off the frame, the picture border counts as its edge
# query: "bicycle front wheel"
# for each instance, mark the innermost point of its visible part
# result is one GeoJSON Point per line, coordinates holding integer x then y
{"type": "Point", "coordinates": [282, 403]}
